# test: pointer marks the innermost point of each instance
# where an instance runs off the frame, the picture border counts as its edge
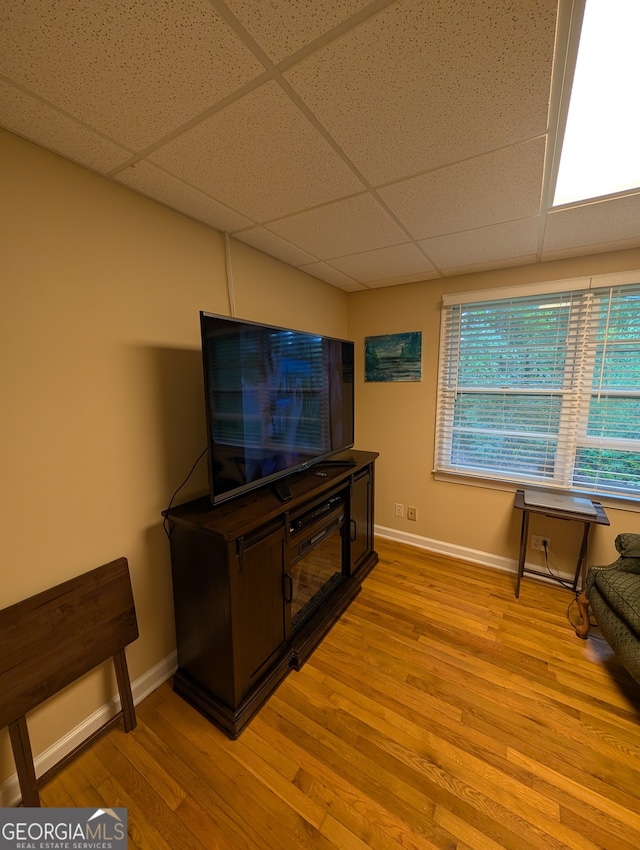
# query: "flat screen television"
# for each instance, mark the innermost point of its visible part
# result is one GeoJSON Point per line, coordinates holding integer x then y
{"type": "Point", "coordinates": [277, 402]}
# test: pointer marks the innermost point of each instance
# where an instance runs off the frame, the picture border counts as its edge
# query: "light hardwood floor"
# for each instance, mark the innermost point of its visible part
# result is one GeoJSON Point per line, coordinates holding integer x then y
{"type": "Point", "coordinates": [440, 712]}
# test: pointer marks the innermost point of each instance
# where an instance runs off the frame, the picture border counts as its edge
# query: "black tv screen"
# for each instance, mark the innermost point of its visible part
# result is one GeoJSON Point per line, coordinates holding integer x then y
{"type": "Point", "coordinates": [277, 401]}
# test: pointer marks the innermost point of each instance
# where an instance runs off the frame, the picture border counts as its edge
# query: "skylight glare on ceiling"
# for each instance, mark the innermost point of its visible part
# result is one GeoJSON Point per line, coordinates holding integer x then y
{"type": "Point", "coordinates": [601, 148]}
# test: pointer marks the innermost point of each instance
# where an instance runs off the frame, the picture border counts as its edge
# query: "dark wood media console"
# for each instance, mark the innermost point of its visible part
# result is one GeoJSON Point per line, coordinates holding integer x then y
{"type": "Point", "coordinates": [258, 582]}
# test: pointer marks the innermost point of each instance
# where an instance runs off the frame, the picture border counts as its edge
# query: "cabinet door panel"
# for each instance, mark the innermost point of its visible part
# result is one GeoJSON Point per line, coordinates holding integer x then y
{"type": "Point", "coordinates": [361, 519]}
{"type": "Point", "coordinates": [259, 617]}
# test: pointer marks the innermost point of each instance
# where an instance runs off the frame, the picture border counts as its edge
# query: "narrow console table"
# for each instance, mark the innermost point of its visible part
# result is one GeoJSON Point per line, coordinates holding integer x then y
{"type": "Point", "coordinates": [258, 582]}
{"type": "Point", "coordinates": [598, 518]}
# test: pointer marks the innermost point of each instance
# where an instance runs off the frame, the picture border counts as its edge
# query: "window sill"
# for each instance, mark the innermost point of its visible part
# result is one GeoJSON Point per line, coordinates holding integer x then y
{"type": "Point", "coordinates": [617, 503]}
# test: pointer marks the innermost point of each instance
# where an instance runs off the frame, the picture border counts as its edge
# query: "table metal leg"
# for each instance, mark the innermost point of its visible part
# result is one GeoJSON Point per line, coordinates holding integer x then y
{"type": "Point", "coordinates": [523, 549]}
{"type": "Point", "coordinates": [582, 558]}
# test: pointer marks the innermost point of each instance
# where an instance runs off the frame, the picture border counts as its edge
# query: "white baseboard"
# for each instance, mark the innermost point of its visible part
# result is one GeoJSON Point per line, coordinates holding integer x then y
{"type": "Point", "coordinates": [140, 688]}
{"type": "Point", "coordinates": [474, 556]}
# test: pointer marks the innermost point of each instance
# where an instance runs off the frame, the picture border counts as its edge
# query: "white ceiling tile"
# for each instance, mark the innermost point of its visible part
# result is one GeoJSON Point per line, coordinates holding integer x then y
{"type": "Point", "coordinates": [402, 279]}
{"type": "Point", "coordinates": [589, 250]}
{"type": "Point", "coordinates": [423, 84]}
{"type": "Point", "coordinates": [613, 221]}
{"type": "Point", "coordinates": [156, 183]}
{"type": "Point", "coordinates": [325, 272]}
{"type": "Point", "coordinates": [512, 262]}
{"type": "Point", "coordinates": [384, 263]}
{"type": "Point", "coordinates": [29, 117]}
{"type": "Point", "coordinates": [261, 156]}
{"type": "Point", "coordinates": [281, 27]}
{"type": "Point", "coordinates": [494, 244]}
{"type": "Point", "coordinates": [498, 186]}
{"type": "Point", "coordinates": [355, 287]}
{"type": "Point", "coordinates": [344, 227]}
{"type": "Point", "coordinates": [268, 242]}
{"type": "Point", "coordinates": [134, 70]}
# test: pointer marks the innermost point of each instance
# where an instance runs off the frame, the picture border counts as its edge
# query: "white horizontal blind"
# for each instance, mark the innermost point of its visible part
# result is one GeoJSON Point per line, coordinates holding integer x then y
{"type": "Point", "coordinates": [517, 382]}
{"type": "Point", "coordinates": [607, 456]}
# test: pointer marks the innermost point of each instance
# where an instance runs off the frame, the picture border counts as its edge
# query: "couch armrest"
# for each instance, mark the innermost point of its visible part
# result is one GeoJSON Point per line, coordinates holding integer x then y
{"type": "Point", "coordinates": [628, 545]}
{"type": "Point", "coordinates": [594, 569]}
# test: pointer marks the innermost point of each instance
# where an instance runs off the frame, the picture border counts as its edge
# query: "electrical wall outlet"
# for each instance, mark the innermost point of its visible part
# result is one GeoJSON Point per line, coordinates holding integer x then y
{"type": "Point", "coordinates": [540, 542]}
{"type": "Point", "coordinates": [399, 509]}
{"type": "Point", "coordinates": [412, 513]}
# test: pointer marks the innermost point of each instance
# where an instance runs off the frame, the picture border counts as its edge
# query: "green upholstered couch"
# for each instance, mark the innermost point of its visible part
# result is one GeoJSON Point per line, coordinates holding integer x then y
{"type": "Point", "coordinates": [613, 592]}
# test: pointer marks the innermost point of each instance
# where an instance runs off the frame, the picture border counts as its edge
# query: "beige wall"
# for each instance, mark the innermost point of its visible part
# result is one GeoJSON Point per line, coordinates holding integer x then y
{"type": "Point", "coordinates": [397, 419]}
{"type": "Point", "coordinates": [102, 412]}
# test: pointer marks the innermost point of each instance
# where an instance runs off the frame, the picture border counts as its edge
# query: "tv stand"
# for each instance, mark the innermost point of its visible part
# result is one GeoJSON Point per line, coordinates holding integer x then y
{"type": "Point", "coordinates": [258, 583]}
{"type": "Point", "coordinates": [346, 462]}
{"type": "Point", "coordinates": [282, 489]}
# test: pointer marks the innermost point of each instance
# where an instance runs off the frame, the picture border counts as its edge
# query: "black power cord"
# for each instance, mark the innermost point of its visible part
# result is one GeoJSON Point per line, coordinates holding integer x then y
{"type": "Point", "coordinates": [563, 582]}
{"type": "Point", "coordinates": [165, 521]}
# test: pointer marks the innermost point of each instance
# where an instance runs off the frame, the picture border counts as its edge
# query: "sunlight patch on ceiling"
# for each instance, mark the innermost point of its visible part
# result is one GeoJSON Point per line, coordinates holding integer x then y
{"type": "Point", "coordinates": [601, 149]}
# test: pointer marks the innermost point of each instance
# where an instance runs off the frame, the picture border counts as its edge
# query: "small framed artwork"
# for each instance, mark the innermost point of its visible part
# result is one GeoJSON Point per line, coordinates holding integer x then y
{"type": "Point", "coordinates": [393, 357]}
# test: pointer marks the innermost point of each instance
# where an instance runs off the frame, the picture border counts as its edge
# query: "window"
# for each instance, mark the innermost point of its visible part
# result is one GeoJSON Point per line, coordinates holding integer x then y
{"type": "Point", "coordinates": [541, 385]}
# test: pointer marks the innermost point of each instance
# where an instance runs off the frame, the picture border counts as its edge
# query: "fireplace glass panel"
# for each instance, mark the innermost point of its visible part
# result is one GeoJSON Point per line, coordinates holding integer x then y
{"type": "Point", "coordinates": [316, 568]}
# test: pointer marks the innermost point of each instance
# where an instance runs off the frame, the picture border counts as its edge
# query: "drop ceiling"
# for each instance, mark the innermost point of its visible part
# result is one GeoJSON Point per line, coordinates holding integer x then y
{"type": "Point", "coordinates": [367, 143]}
